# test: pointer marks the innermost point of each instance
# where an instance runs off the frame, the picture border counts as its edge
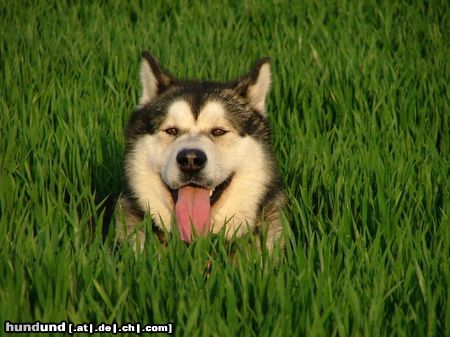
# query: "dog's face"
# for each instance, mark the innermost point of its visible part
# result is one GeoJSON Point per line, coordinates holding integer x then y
{"type": "Point", "coordinates": [197, 150]}
{"type": "Point", "coordinates": [192, 145]}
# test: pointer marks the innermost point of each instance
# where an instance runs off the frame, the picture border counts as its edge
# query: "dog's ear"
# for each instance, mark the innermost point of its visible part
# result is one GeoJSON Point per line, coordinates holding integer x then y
{"type": "Point", "coordinates": [256, 85]}
{"type": "Point", "coordinates": [154, 80]}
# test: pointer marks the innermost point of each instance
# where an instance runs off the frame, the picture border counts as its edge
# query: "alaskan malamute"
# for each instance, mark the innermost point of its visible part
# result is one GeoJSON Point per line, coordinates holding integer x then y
{"type": "Point", "coordinates": [199, 158]}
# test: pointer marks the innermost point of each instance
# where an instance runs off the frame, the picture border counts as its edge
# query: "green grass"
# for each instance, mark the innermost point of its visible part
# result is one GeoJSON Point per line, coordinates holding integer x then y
{"type": "Point", "coordinates": [361, 120]}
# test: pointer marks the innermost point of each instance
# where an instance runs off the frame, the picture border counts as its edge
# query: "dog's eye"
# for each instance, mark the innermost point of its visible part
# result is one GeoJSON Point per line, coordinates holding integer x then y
{"type": "Point", "coordinates": [218, 132]}
{"type": "Point", "coordinates": [171, 131]}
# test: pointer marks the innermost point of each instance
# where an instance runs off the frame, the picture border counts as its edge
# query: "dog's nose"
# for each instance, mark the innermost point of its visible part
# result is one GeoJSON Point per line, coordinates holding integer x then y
{"type": "Point", "coordinates": [191, 160]}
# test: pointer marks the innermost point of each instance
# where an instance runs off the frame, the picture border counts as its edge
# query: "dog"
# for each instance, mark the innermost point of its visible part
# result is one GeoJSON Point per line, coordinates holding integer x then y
{"type": "Point", "coordinates": [199, 160]}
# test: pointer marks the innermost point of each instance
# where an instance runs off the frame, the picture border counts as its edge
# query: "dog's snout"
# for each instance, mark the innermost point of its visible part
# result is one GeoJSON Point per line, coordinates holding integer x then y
{"type": "Point", "coordinates": [191, 160]}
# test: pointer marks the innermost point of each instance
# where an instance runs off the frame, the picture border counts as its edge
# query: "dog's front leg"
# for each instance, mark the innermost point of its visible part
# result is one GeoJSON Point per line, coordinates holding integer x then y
{"type": "Point", "coordinates": [127, 220]}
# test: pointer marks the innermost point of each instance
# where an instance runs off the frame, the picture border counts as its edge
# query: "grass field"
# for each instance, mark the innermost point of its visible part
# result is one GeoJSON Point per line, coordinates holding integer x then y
{"type": "Point", "coordinates": [361, 121]}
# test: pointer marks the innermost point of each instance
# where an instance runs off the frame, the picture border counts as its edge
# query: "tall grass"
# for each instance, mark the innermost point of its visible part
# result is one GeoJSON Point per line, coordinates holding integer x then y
{"type": "Point", "coordinates": [361, 121]}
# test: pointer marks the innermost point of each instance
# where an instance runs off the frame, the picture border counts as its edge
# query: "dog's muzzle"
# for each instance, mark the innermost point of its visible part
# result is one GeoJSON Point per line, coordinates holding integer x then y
{"type": "Point", "coordinates": [195, 197]}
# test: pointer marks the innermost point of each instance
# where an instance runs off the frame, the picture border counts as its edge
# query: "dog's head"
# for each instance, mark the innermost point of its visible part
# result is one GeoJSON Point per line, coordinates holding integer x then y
{"type": "Point", "coordinates": [188, 140]}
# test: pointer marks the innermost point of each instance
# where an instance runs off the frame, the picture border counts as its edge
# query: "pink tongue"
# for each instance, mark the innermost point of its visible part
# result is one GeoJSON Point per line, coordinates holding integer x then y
{"type": "Point", "coordinates": [192, 207]}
